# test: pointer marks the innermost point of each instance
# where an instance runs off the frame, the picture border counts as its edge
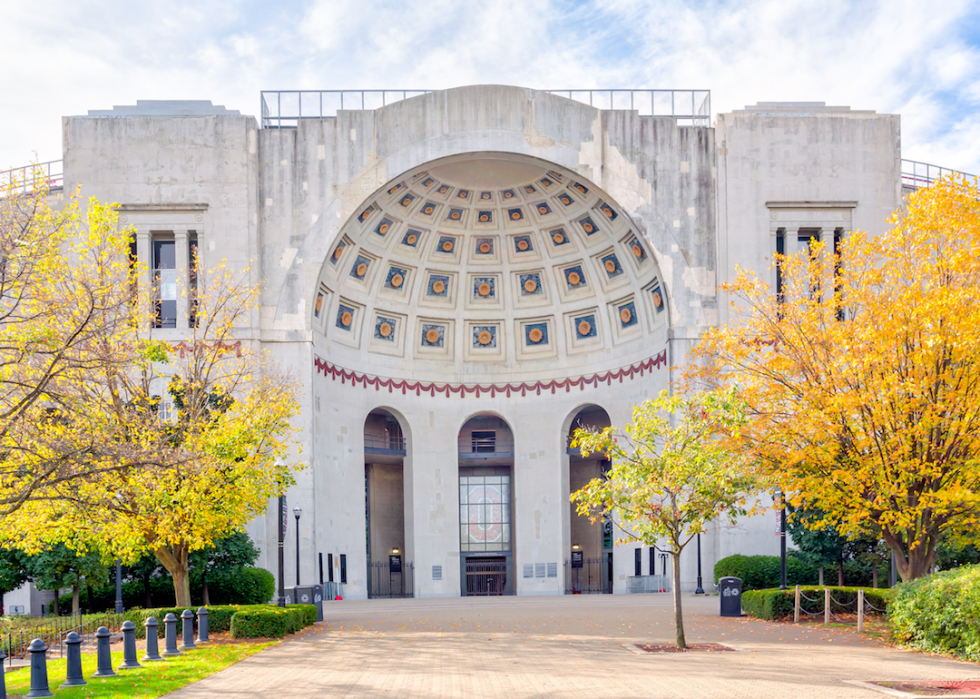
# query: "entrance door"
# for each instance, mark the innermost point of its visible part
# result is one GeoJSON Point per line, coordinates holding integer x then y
{"type": "Point", "coordinates": [486, 576]}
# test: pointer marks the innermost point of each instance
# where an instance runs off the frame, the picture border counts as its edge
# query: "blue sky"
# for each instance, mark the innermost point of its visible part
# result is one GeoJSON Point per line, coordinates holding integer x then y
{"type": "Point", "coordinates": [917, 59]}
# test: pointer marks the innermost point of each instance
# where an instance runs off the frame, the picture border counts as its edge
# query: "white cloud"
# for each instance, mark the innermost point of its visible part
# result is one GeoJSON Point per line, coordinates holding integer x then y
{"type": "Point", "coordinates": [902, 56]}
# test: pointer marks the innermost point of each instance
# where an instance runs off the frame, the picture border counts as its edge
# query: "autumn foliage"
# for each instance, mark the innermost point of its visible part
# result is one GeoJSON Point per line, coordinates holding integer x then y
{"type": "Point", "coordinates": [862, 377]}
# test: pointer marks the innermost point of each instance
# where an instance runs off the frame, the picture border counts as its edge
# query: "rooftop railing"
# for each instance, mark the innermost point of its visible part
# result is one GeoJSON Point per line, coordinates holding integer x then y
{"type": "Point", "coordinates": [916, 174]}
{"type": "Point", "coordinates": [284, 109]}
{"type": "Point", "coordinates": [385, 444]}
{"type": "Point", "coordinates": [31, 177]}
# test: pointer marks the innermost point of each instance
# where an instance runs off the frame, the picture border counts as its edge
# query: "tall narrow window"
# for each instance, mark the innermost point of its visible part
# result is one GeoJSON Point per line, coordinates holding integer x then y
{"type": "Point", "coordinates": [165, 283]}
{"type": "Point", "coordinates": [343, 568]}
{"type": "Point", "coordinates": [780, 250]}
{"type": "Point", "coordinates": [637, 562]}
{"type": "Point", "coordinates": [838, 271]}
{"type": "Point", "coordinates": [653, 560]}
{"type": "Point", "coordinates": [330, 567]}
{"type": "Point", "coordinates": [192, 267]}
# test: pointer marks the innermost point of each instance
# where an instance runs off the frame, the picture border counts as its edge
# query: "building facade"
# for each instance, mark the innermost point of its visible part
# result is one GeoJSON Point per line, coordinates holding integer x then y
{"type": "Point", "coordinates": [462, 277]}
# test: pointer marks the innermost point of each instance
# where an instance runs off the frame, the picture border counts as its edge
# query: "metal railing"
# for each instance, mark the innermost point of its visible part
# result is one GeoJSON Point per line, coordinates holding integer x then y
{"type": "Point", "coordinates": [50, 174]}
{"type": "Point", "coordinates": [485, 448]}
{"type": "Point", "coordinates": [590, 576]}
{"type": "Point", "coordinates": [386, 581]}
{"type": "Point", "coordinates": [284, 109]}
{"type": "Point", "coordinates": [649, 583]}
{"type": "Point", "coordinates": [384, 444]}
{"type": "Point", "coordinates": [14, 644]}
{"type": "Point", "coordinates": [916, 174]}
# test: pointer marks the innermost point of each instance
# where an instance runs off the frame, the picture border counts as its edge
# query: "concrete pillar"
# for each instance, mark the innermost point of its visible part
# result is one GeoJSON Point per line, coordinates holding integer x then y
{"type": "Point", "coordinates": [181, 258]}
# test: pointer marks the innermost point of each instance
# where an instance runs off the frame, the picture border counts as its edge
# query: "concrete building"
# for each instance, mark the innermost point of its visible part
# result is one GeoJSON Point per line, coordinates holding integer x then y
{"type": "Point", "coordinates": [462, 277]}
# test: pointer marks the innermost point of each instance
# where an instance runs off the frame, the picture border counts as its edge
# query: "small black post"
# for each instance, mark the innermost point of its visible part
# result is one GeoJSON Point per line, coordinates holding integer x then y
{"type": "Point", "coordinates": [3, 682]}
{"type": "Point", "coordinates": [187, 642]}
{"type": "Point", "coordinates": [104, 657]}
{"type": "Point", "coordinates": [202, 625]}
{"type": "Point", "coordinates": [119, 604]}
{"type": "Point", "coordinates": [283, 519]}
{"type": "Point", "coordinates": [152, 640]}
{"type": "Point", "coordinates": [39, 669]}
{"type": "Point", "coordinates": [297, 511]}
{"type": "Point", "coordinates": [781, 533]}
{"type": "Point", "coordinates": [170, 636]}
{"type": "Point", "coordinates": [699, 590]}
{"type": "Point", "coordinates": [73, 674]}
{"type": "Point", "coordinates": [129, 646]}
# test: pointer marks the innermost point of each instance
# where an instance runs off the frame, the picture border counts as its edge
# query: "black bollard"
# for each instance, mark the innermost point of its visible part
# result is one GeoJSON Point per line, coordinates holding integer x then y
{"type": "Point", "coordinates": [129, 646]}
{"type": "Point", "coordinates": [188, 641]}
{"type": "Point", "coordinates": [73, 675]}
{"type": "Point", "coordinates": [202, 625]}
{"type": "Point", "coordinates": [3, 682]}
{"type": "Point", "coordinates": [104, 658]}
{"type": "Point", "coordinates": [39, 669]}
{"type": "Point", "coordinates": [170, 636]}
{"type": "Point", "coordinates": [152, 640]}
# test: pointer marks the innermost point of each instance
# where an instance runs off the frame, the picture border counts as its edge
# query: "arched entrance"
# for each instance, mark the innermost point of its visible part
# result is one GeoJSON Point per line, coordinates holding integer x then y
{"type": "Point", "coordinates": [486, 468]}
{"type": "Point", "coordinates": [389, 573]}
{"type": "Point", "coordinates": [589, 567]}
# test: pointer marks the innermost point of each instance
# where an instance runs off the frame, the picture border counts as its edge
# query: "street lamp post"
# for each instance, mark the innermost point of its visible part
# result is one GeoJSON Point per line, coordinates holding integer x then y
{"type": "Point", "coordinates": [297, 511]}
{"type": "Point", "coordinates": [119, 604]}
{"type": "Point", "coordinates": [700, 590]}
{"type": "Point", "coordinates": [781, 533]}
{"type": "Point", "coordinates": [283, 519]}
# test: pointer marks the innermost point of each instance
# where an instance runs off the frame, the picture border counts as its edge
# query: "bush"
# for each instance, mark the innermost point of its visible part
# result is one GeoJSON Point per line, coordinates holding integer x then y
{"type": "Point", "coordinates": [272, 622]}
{"type": "Point", "coordinates": [762, 572]}
{"type": "Point", "coordinates": [778, 604]}
{"type": "Point", "coordinates": [219, 616]}
{"type": "Point", "coordinates": [939, 612]}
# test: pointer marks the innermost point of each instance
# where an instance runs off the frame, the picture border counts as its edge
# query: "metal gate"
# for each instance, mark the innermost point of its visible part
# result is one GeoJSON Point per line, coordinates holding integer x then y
{"type": "Point", "coordinates": [486, 576]}
{"type": "Point", "coordinates": [594, 577]}
{"type": "Point", "coordinates": [384, 581]}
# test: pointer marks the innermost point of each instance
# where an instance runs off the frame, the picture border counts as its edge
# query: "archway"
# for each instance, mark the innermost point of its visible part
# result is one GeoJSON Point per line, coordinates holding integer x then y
{"type": "Point", "coordinates": [589, 567]}
{"type": "Point", "coordinates": [485, 448]}
{"type": "Point", "coordinates": [389, 573]}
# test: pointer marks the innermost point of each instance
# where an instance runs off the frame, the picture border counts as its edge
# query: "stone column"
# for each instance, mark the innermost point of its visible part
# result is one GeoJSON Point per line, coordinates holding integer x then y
{"type": "Point", "coordinates": [181, 258]}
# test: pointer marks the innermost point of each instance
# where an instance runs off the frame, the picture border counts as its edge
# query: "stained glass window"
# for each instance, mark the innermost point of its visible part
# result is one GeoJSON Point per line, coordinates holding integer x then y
{"type": "Point", "coordinates": [484, 513]}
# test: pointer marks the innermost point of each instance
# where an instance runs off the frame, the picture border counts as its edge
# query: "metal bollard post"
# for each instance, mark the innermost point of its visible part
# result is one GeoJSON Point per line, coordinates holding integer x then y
{"type": "Point", "coordinates": [129, 646]}
{"type": "Point", "coordinates": [39, 669]}
{"type": "Point", "coordinates": [73, 674]}
{"type": "Point", "coordinates": [104, 658]}
{"type": "Point", "coordinates": [3, 682]}
{"type": "Point", "coordinates": [170, 636]}
{"type": "Point", "coordinates": [796, 609]}
{"type": "Point", "coordinates": [202, 625]}
{"type": "Point", "coordinates": [152, 640]}
{"type": "Point", "coordinates": [826, 606]}
{"type": "Point", "coordinates": [188, 637]}
{"type": "Point", "coordinates": [860, 606]}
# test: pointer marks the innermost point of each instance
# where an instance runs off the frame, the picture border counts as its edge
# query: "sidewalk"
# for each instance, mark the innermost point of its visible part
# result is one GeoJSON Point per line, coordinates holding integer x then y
{"type": "Point", "coordinates": [516, 647]}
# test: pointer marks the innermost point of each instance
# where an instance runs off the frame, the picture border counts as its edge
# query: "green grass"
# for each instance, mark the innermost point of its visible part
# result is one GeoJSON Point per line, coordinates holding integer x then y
{"type": "Point", "coordinates": [151, 680]}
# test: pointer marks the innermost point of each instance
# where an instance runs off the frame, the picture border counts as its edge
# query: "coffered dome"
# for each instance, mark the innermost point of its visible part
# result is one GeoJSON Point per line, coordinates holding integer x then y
{"type": "Point", "coordinates": [488, 265]}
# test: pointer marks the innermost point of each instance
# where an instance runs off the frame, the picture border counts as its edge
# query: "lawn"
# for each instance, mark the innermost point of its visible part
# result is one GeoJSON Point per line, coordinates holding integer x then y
{"type": "Point", "coordinates": [152, 680]}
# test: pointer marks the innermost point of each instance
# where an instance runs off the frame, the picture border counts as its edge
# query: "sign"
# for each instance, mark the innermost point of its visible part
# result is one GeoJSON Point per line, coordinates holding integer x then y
{"type": "Point", "coordinates": [578, 559]}
{"type": "Point", "coordinates": [395, 564]}
{"type": "Point", "coordinates": [780, 523]}
{"type": "Point", "coordinates": [283, 517]}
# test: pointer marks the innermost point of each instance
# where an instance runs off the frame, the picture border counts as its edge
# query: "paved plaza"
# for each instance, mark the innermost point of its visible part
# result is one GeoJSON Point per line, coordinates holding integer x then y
{"type": "Point", "coordinates": [573, 646]}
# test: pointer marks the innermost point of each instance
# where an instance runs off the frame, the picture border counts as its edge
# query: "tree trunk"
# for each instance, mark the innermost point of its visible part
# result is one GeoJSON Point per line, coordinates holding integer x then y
{"type": "Point", "coordinates": [675, 559]}
{"type": "Point", "coordinates": [146, 591]}
{"type": "Point", "coordinates": [76, 600]}
{"type": "Point", "coordinates": [54, 605]}
{"type": "Point", "coordinates": [205, 597]}
{"type": "Point", "coordinates": [840, 572]}
{"type": "Point", "coordinates": [175, 561]}
{"type": "Point", "coordinates": [921, 554]}
{"type": "Point", "coordinates": [820, 579]}
{"type": "Point", "coordinates": [874, 575]}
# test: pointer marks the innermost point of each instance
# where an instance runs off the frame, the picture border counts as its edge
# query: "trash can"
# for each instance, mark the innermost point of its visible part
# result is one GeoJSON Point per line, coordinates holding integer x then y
{"type": "Point", "coordinates": [730, 593]}
{"type": "Point", "coordinates": [303, 594]}
{"type": "Point", "coordinates": [318, 601]}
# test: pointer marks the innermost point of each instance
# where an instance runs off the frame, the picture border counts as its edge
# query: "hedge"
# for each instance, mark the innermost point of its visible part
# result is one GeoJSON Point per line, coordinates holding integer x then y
{"type": "Point", "coordinates": [762, 572]}
{"type": "Point", "coordinates": [779, 604]}
{"type": "Point", "coordinates": [272, 622]}
{"type": "Point", "coordinates": [939, 612]}
{"type": "Point", "coordinates": [219, 616]}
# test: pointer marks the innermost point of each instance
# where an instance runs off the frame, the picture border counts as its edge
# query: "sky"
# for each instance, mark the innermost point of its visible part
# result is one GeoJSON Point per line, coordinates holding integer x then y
{"type": "Point", "coordinates": [917, 59]}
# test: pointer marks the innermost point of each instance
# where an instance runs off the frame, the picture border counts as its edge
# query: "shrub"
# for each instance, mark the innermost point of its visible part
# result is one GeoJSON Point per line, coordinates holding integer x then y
{"type": "Point", "coordinates": [939, 612]}
{"type": "Point", "coordinates": [778, 604]}
{"type": "Point", "coordinates": [219, 616]}
{"type": "Point", "coordinates": [762, 572]}
{"type": "Point", "coordinates": [246, 586]}
{"type": "Point", "coordinates": [272, 622]}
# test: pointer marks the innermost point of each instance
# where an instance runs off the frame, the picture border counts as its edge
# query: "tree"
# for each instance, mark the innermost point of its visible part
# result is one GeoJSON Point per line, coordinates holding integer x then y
{"type": "Point", "coordinates": [224, 559]}
{"type": "Point", "coordinates": [14, 570]}
{"type": "Point", "coordinates": [824, 545]}
{"type": "Point", "coordinates": [59, 567]}
{"type": "Point", "coordinates": [670, 474]}
{"type": "Point", "coordinates": [66, 306]}
{"type": "Point", "coordinates": [862, 375]}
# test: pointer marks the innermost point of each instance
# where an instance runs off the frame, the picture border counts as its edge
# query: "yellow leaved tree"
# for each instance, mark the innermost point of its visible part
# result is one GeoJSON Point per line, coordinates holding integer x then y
{"type": "Point", "coordinates": [862, 375]}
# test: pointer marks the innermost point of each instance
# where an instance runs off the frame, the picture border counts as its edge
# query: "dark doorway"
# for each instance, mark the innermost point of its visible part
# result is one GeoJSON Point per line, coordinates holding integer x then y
{"type": "Point", "coordinates": [486, 576]}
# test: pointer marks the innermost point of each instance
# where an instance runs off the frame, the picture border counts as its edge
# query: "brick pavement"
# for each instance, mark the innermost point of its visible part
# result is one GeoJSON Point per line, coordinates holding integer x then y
{"type": "Point", "coordinates": [544, 647]}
